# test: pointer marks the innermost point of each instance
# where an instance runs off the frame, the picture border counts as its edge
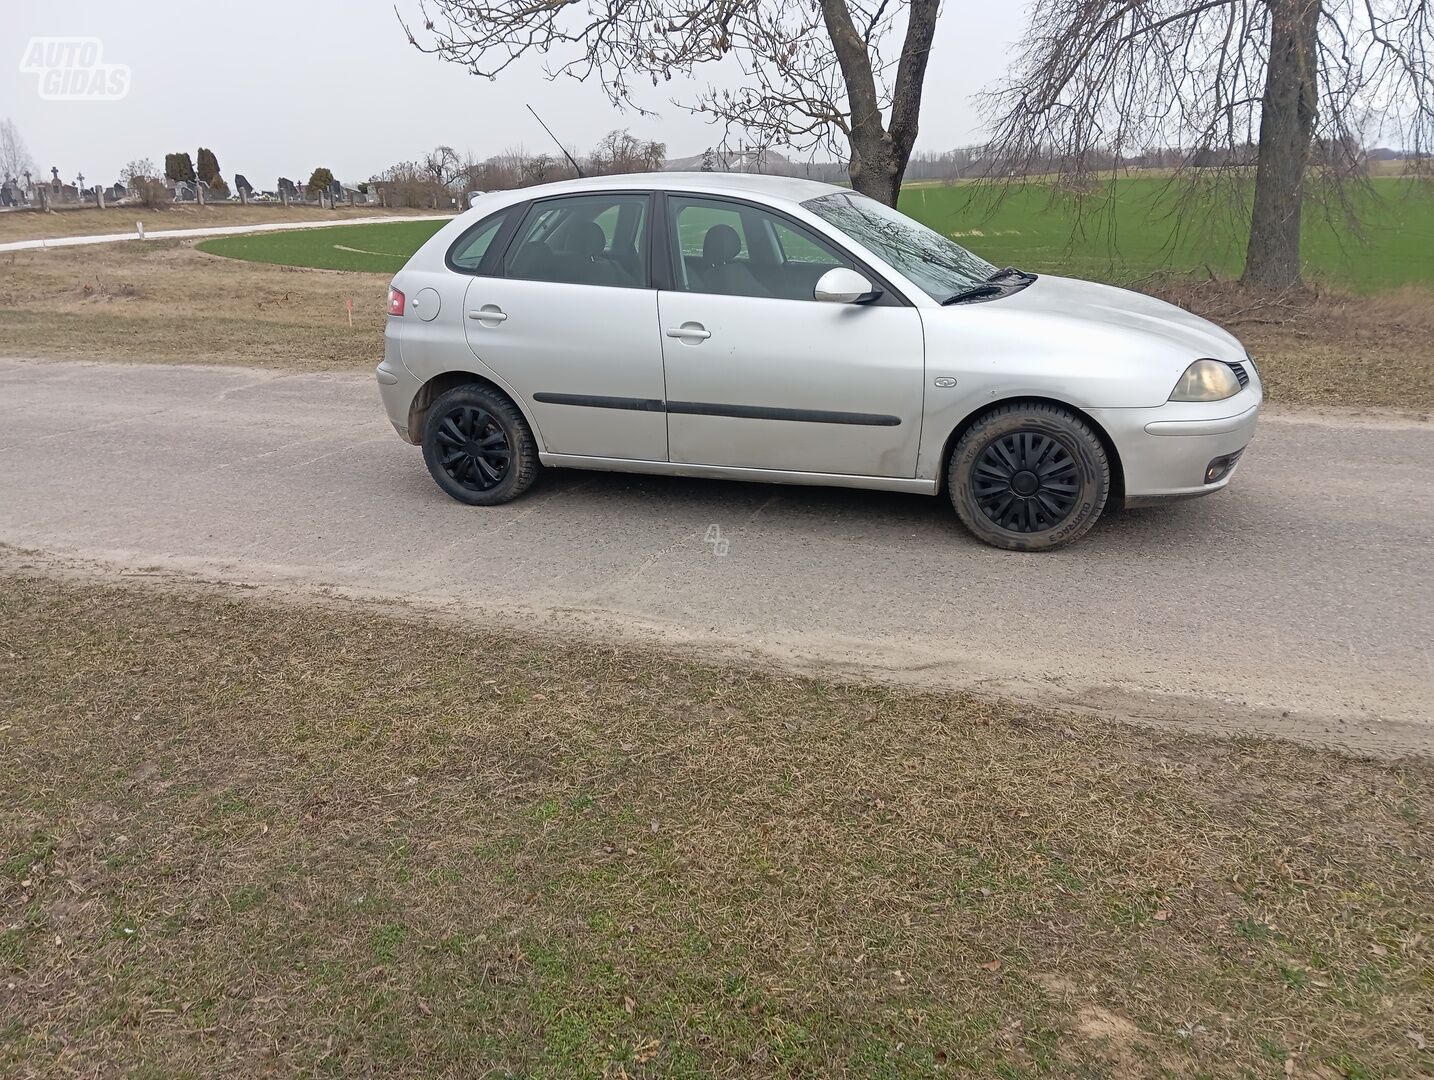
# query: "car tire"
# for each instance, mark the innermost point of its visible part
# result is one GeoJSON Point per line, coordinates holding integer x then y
{"type": "Point", "coordinates": [478, 447]}
{"type": "Point", "coordinates": [1029, 477]}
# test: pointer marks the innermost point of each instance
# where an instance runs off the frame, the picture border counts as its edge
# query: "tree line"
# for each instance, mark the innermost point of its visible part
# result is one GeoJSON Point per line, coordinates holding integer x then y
{"type": "Point", "coordinates": [443, 173]}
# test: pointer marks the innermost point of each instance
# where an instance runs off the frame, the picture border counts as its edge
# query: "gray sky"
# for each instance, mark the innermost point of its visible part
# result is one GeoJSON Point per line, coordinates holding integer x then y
{"type": "Point", "coordinates": [279, 88]}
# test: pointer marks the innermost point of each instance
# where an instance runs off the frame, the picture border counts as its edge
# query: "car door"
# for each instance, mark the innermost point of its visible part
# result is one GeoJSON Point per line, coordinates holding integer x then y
{"type": "Point", "coordinates": [762, 375]}
{"type": "Point", "coordinates": [569, 320]}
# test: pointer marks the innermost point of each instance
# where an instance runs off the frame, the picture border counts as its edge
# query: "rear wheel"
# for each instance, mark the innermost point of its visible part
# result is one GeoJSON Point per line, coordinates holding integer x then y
{"type": "Point", "coordinates": [1029, 477]}
{"type": "Point", "coordinates": [478, 446]}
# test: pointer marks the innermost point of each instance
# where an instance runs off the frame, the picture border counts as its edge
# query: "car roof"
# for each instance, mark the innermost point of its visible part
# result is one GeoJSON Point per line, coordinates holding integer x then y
{"type": "Point", "coordinates": [775, 188]}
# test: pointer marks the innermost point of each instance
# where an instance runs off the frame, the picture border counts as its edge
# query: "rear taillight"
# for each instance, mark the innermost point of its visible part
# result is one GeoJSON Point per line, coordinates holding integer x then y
{"type": "Point", "coordinates": [395, 301]}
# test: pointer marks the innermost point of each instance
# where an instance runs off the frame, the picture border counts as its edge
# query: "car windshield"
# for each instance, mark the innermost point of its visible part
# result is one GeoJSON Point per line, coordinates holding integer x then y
{"type": "Point", "coordinates": [940, 266]}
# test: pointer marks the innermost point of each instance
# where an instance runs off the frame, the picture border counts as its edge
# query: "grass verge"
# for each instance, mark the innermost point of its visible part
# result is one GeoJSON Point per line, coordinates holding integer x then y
{"type": "Point", "coordinates": [164, 301]}
{"type": "Point", "coordinates": [243, 838]}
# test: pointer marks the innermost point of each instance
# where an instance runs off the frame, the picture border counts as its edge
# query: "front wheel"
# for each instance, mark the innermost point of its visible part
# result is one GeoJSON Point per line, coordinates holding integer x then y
{"type": "Point", "coordinates": [478, 447]}
{"type": "Point", "coordinates": [1029, 477]}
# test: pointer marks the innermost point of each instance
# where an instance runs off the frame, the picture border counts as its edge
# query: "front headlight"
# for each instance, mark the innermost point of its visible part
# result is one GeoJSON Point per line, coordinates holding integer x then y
{"type": "Point", "coordinates": [1206, 380]}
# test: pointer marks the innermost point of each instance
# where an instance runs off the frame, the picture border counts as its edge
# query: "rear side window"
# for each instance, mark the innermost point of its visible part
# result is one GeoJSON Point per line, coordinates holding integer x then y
{"type": "Point", "coordinates": [467, 252]}
{"type": "Point", "coordinates": [584, 240]}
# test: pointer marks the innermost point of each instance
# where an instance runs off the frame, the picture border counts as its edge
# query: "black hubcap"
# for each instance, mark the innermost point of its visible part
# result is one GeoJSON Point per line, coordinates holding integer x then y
{"type": "Point", "coordinates": [473, 448]}
{"type": "Point", "coordinates": [1026, 481]}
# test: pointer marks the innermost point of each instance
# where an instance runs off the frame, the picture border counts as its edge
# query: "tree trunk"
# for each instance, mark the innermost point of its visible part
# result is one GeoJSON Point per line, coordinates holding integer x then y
{"type": "Point", "coordinates": [875, 168]}
{"type": "Point", "coordinates": [1287, 117]}
{"type": "Point", "coordinates": [879, 155]}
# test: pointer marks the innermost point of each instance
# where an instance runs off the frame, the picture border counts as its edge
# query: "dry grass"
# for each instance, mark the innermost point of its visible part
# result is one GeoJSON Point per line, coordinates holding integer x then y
{"type": "Point", "coordinates": [36, 225]}
{"type": "Point", "coordinates": [242, 839]}
{"type": "Point", "coordinates": [1328, 349]}
{"type": "Point", "coordinates": [164, 301]}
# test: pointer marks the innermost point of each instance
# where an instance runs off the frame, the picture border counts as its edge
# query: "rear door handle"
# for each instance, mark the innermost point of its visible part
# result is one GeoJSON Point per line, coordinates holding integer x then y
{"type": "Point", "coordinates": [693, 332]}
{"type": "Point", "coordinates": [488, 313]}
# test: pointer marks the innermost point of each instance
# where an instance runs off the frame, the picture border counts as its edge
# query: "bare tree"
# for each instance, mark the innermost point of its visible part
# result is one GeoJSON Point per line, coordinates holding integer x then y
{"type": "Point", "coordinates": [814, 73]}
{"type": "Point", "coordinates": [442, 165]}
{"type": "Point", "coordinates": [15, 159]}
{"type": "Point", "coordinates": [539, 169]}
{"type": "Point", "coordinates": [413, 184]}
{"type": "Point", "coordinates": [142, 179]}
{"type": "Point", "coordinates": [1305, 81]}
{"type": "Point", "coordinates": [622, 152]}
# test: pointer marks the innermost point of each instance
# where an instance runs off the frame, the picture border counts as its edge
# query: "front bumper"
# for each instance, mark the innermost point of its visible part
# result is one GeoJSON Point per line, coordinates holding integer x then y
{"type": "Point", "coordinates": [1165, 452]}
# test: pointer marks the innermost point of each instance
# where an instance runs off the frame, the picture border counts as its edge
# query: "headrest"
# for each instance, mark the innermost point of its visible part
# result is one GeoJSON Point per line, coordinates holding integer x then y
{"type": "Point", "coordinates": [721, 245]}
{"type": "Point", "coordinates": [586, 238]}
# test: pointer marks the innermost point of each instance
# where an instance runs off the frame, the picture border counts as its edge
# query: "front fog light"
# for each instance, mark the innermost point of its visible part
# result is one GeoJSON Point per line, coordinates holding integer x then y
{"type": "Point", "coordinates": [1206, 380]}
{"type": "Point", "coordinates": [1220, 468]}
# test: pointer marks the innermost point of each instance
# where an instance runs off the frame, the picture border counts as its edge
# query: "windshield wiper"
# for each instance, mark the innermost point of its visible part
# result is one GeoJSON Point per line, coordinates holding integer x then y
{"type": "Point", "coordinates": [1011, 271]}
{"type": "Point", "coordinates": [987, 291]}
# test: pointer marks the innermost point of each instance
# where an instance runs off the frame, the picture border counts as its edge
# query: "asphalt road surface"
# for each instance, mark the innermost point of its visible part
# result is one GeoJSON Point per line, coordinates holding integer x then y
{"type": "Point", "coordinates": [1297, 603]}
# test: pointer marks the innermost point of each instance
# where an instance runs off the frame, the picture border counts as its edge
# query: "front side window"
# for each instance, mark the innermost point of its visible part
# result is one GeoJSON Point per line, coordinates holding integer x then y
{"type": "Point", "coordinates": [941, 266]}
{"type": "Point", "coordinates": [587, 240]}
{"type": "Point", "coordinates": [734, 249]}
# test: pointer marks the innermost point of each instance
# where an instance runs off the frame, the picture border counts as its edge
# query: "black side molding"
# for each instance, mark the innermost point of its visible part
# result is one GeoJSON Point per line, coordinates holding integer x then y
{"type": "Point", "coordinates": [764, 412]}
{"type": "Point", "coordinates": [597, 401]}
{"type": "Point", "coordinates": [707, 408]}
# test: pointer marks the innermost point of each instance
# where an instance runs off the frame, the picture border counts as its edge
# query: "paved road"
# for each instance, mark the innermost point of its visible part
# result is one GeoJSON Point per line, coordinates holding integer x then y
{"type": "Point", "coordinates": [211, 230]}
{"type": "Point", "coordinates": [1298, 602]}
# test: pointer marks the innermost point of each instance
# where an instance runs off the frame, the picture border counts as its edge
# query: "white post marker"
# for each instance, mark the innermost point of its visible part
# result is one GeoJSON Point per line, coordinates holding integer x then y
{"type": "Point", "coordinates": [139, 228]}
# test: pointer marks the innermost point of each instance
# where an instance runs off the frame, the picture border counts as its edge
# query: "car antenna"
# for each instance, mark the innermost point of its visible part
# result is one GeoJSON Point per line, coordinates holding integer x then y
{"type": "Point", "coordinates": [576, 167]}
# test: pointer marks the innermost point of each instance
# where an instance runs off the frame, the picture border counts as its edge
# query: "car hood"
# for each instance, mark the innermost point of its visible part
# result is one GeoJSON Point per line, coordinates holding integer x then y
{"type": "Point", "coordinates": [1087, 306]}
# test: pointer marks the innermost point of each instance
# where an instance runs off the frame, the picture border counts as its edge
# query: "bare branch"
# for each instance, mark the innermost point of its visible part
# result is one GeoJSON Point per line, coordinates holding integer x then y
{"type": "Point", "coordinates": [814, 74]}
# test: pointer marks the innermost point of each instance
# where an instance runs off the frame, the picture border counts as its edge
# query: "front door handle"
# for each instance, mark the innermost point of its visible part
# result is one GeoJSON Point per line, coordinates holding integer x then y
{"type": "Point", "coordinates": [690, 332]}
{"type": "Point", "coordinates": [489, 313]}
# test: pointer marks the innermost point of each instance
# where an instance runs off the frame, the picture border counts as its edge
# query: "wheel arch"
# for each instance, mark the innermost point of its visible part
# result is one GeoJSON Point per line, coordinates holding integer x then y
{"type": "Point", "coordinates": [443, 382]}
{"type": "Point", "coordinates": [1117, 467]}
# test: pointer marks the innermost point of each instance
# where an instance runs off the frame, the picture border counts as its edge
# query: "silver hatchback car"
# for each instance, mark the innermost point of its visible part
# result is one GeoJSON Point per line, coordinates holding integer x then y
{"type": "Point", "coordinates": [779, 330]}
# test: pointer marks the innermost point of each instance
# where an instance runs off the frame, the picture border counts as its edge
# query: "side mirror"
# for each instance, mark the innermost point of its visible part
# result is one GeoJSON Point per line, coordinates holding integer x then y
{"type": "Point", "coordinates": [842, 286]}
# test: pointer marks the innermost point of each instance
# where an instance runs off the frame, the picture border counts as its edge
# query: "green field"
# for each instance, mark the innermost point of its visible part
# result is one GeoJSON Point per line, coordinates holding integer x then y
{"type": "Point", "coordinates": [380, 249]}
{"type": "Point", "coordinates": [1145, 229]}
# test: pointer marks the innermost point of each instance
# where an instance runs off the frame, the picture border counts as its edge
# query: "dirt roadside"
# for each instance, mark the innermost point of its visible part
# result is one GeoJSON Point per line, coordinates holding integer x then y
{"type": "Point", "coordinates": [840, 660]}
{"type": "Point", "coordinates": [243, 837]}
{"type": "Point", "coordinates": [166, 302]}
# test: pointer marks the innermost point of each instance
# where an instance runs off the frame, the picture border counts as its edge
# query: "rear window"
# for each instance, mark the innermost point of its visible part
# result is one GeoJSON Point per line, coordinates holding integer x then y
{"type": "Point", "coordinates": [468, 250]}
